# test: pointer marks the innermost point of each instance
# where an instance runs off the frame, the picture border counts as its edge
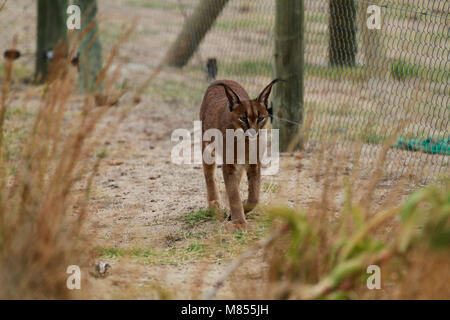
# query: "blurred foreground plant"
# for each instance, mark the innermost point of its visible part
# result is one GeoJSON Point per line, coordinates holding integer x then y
{"type": "Point", "coordinates": [44, 192]}
{"type": "Point", "coordinates": [316, 260]}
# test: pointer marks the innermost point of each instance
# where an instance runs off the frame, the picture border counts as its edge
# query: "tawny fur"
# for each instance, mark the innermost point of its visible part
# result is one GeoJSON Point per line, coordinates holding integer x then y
{"type": "Point", "coordinates": [224, 106]}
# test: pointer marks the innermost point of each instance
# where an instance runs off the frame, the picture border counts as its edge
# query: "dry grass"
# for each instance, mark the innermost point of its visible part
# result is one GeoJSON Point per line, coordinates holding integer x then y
{"type": "Point", "coordinates": [318, 253]}
{"type": "Point", "coordinates": [322, 258]}
{"type": "Point", "coordinates": [315, 253]}
{"type": "Point", "coordinates": [45, 188]}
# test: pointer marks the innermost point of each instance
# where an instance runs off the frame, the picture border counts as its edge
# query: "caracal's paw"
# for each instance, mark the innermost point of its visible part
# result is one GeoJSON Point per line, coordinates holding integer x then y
{"type": "Point", "coordinates": [230, 226]}
{"type": "Point", "coordinates": [248, 206]}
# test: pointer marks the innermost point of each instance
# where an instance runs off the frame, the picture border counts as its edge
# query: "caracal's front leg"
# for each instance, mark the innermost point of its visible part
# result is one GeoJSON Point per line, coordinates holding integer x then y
{"type": "Point", "coordinates": [254, 185]}
{"type": "Point", "coordinates": [211, 187]}
{"type": "Point", "coordinates": [231, 178]}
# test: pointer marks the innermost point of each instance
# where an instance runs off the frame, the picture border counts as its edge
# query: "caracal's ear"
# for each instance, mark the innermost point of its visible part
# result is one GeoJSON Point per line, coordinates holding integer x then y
{"type": "Point", "coordinates": [264, 95]}
{"type": "Point", "coordinates": [233, 98]}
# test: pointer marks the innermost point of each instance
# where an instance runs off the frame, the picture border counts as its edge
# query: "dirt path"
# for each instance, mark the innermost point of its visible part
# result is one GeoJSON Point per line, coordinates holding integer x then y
{"type": "Point", "coordinates": [139, 209]}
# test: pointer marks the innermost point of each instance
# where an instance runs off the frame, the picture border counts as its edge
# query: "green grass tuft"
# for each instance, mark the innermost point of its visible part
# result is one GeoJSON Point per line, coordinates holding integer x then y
{"type": "Point", "coordinates": [110, 253]}
{"type": "Point", "coordinates": [401, 70]}
{"type": "Point", "coordinates": [193, 218]}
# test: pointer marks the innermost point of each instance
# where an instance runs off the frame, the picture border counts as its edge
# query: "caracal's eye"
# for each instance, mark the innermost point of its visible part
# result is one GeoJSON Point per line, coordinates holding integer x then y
{"type": "Point", "coordinates": [261, 119]}
{"type": "Point", "coordinates": [243, 120]}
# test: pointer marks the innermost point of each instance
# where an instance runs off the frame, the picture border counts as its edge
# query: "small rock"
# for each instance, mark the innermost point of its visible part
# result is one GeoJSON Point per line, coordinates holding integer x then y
{"type": "Point", "coordinates": [102, 269]}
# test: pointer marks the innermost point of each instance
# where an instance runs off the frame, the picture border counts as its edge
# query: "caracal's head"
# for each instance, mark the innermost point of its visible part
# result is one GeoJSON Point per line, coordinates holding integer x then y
{"type": "Point", "coordinates": [249, 115]}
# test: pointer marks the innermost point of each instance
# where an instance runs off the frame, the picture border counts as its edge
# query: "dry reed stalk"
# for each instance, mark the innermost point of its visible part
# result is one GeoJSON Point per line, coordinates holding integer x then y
{"type": "Point", "coordinates": [39, 229]}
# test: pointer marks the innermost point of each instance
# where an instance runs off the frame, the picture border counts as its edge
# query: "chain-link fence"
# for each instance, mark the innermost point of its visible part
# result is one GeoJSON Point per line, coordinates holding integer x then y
{"type": "Point", "coordinates": [360, 83]}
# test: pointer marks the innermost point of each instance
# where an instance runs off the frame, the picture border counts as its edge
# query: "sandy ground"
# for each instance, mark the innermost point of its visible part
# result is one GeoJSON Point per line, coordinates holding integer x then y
{"type": "Point", "coordinates": [141, 198]}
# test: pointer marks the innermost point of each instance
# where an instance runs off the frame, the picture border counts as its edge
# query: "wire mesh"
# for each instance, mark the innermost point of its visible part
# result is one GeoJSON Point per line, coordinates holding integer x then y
{"type": "Point", "coordinates": [359, 83]}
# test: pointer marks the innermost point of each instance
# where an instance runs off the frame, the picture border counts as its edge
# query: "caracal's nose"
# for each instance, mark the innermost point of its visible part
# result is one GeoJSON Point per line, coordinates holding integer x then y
{"type": "Point", "coordinates": [251, 133]}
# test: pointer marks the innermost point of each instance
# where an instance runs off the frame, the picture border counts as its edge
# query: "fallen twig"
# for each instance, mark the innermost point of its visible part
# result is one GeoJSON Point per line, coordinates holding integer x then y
{"type": "Point", "coordinates": [3, 5]}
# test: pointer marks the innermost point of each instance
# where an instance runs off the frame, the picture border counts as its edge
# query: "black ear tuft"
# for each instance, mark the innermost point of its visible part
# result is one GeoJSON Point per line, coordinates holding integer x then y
{"type": "Point", "coordinates": [264, 95]}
